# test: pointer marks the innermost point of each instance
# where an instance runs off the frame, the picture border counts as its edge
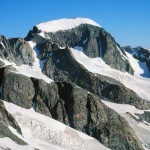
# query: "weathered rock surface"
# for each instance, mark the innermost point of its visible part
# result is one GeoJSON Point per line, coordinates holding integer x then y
{"type": "Point", "coordinates": [142, 54]}
{"type": "Point", "coordinates": [6, 132]}
{"type": "Point", "coordinates": [16, 50]}
{"type": "Point", "coordinates": [2, 64]}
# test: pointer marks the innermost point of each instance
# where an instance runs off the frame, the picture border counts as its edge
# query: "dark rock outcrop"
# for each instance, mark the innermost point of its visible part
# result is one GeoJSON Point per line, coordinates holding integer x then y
{"type": "Point", "coordinates": [17, 88]}
{"type": "Point", "coordinates": [112, 130]}
{"type": "Point", "coordinates": [16, 50]}
{"type": "Point", "coordinates": [140, 53]}
{"type": "Point", "coordinates": [143, 56]}
{"type": "Point", "coordinates": [95, 41]}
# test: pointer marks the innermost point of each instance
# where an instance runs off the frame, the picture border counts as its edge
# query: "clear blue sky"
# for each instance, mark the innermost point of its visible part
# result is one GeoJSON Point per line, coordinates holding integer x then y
{"type": "Point", "coordinates": [127, 20]}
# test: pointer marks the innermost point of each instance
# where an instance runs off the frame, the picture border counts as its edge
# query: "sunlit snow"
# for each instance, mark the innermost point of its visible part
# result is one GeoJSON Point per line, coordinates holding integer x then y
{"type": "Point", "coordinates": [64, 24]}
{"type": "Point", "coordinates": [45, 133]}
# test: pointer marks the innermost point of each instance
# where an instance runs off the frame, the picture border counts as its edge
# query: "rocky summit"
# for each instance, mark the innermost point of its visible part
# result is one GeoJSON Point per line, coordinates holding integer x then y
{"type": "Point", "coordinates": [69, 85]}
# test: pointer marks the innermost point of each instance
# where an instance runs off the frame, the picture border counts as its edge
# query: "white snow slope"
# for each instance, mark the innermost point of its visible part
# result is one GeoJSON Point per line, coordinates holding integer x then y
{"type": "Point", "coordinates": [45, 133]}
{"type": "Point", "coordinates": [137, 83]}
{"type": "Point", "coordinates": [64, 24]}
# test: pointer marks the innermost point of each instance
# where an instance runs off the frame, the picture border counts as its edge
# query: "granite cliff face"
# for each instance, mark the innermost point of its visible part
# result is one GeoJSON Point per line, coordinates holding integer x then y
{"type": "Point", "coordinates": [74, 97]}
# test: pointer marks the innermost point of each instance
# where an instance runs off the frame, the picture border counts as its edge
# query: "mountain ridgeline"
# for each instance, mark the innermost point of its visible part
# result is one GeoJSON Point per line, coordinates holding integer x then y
{"type": "Point", "coordinates": [74, 96]}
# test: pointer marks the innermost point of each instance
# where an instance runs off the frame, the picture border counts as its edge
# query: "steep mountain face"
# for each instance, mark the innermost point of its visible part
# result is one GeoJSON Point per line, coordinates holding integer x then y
{"type": "Point", "coordinates": [72, 70]}
{"type": "Point", "coordinates": [95, 42]}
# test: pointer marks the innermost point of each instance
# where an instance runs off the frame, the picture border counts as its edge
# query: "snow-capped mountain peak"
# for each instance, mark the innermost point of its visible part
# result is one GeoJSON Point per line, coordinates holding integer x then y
{"type": "Point", "coordinates": [79, 76]}
{"type": "Point", "coordinates": [64, 24]}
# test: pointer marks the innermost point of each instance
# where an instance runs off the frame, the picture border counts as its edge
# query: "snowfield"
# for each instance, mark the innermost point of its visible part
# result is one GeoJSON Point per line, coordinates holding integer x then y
{"type": "Point", "coordinates": [137, 83]}
{"type": "Point", "coordinates": [64, 24]}
{"type": "Point", "coordinates": [46, 133]}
